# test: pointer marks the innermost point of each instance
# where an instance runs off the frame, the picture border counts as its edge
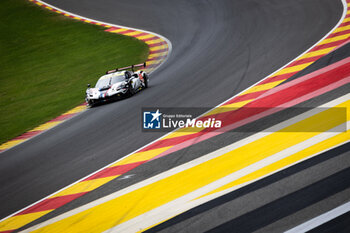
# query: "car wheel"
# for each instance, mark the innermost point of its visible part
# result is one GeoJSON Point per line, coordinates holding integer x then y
{"type": "Point", "coordinates": [145, 78]}
{"type": "Point", "coordinates": [131, 90]}
{"type": "Point", "coordinates": [91, 103]}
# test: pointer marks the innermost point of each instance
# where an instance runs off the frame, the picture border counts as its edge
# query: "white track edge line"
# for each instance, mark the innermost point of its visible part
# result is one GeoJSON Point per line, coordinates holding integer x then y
{"type": "Point", "coordinates": [321, 219]}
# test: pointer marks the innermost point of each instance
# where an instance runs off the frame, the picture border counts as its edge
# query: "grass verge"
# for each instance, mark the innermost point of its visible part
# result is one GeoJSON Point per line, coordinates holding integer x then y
{"type": "Point", "coordinates": [47, 59]}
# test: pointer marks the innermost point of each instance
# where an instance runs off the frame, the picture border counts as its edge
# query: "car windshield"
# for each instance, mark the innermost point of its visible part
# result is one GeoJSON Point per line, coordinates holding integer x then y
{"type": "Point", "coordinates": [103, 83]}
{"type": "Point", "coordinates": [118, 78]}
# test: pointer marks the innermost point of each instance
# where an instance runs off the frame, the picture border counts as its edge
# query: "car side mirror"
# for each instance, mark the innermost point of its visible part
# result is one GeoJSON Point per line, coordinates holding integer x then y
{"type": "Point", "coordinates": [88, 85]}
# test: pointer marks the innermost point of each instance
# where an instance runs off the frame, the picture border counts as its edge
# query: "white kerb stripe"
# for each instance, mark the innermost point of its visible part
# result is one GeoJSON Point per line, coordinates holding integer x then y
{"type": "Point", "coordinates": [319, 220]}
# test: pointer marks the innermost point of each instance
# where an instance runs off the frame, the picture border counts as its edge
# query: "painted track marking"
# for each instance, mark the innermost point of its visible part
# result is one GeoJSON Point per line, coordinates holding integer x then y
{"type": "Point", "coordinates": [137, 207]}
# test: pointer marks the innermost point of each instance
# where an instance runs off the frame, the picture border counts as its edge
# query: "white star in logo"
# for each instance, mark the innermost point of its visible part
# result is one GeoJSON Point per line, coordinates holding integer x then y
{"type": "Point", "coordinates": [156, 115]}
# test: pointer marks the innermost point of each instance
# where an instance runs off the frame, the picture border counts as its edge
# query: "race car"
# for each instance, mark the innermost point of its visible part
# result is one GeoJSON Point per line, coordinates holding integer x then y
{"type": "Point", "coordinates": [117, 83]}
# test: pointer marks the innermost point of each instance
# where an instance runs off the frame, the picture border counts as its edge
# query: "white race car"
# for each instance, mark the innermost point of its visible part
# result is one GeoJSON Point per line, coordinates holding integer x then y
{"type": "Point", "coordinates": [117, 83]}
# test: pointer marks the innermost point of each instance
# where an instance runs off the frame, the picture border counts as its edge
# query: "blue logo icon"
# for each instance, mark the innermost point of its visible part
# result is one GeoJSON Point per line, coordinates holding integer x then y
{"type": "Point", "coordinates": [151, 120]}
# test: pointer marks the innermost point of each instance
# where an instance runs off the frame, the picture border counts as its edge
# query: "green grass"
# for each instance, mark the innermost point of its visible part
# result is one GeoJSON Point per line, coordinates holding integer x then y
{"type": "Point", "coordinates": [47, 59]}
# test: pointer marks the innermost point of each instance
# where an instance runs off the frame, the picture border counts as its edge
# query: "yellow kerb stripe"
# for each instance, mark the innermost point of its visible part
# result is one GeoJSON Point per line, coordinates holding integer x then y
{"type": "Point", "coordinates": [293, 69]}
{"type": "Point", "coordinates": [228, 107]}
{"type": "Point", "coordinates": [146, 37]}
{"type": "Point", "coordinates": [340, 29]}
{"type": "Point", "coordinates": [11, 143]}
{"type": "Point", "coordinates": [184, 131]}
{"type": "Point", "coordinates": [154, 62]}
{"type": "Point", "coordinates": [179, 134]}
{"type": "Point", "coordinates": [119, 30]}
{"type": "Point", "coordinates": [346, 20]}
{"type": "Point", "coordinates": [158, 55]}
{"type": "Point", "coordinates": [85, 186]}
{"type": "Point", "coordinates": [76, 110]}
{"type": "Point", "coordinates": [132, 33]}
{"type": "Point", "coordinates": [18, 221]}
{"type": "Point", "coordinates": [150, 42]}
{"type": "Point", "coordinates": [155, 48]}
{"type": "Point", "coordinates": [46, 126]}
{"type": "Point", "coordinates": [333, 39]}
{"type": "Point", "coordinates": [262, 87]}
{"type": "Point", "coordinates": [317, 53]}
{"type": "Point", "coordinates": [141, 156]}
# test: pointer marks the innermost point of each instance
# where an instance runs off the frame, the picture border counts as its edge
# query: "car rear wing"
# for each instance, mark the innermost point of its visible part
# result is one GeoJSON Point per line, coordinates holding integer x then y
{"type": "Point", "coordinates": [127, 68]}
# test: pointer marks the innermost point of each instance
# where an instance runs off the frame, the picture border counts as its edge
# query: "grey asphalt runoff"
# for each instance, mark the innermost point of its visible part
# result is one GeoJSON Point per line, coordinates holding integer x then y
{"type": "Point", "coordinates": [219, 48]}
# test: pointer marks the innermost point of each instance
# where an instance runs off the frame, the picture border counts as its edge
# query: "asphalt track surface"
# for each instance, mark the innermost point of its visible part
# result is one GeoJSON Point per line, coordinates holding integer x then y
{"type": "Point", "coordinates": [219, 49]}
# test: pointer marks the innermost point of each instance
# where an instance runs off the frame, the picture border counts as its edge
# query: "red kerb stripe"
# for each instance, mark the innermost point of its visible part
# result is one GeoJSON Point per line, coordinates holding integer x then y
{"type": "Point", "coordinates": [142, 34]}
{"type": "Point", "coordinates": [170, 141]}
{"type": "Point", "coordinates": [113, 171]}
{"type": "Point", "coordinates": [112, 29]}
{"type": "Point", "coordinates": [151, 38]}
{"type": "Point", "coordinates": [278, 77]}
{"type": "Point", "coordinates": [156, 44]}
{"type": "Point", "coordinates": [51, 203]}
{"type": "Point", "coordinates": [28, 135]}
{"type": "Point", "coordinates": [339, 33]}
{"type": "Point", "coordinates": [329, 45]}
{"type": "Point", "coordinates": [308, 60]}
{"type": "Point", "coordinates": [344, 24]}
{"type": "Point", "coordinates": [63, 117]}
{"type": "Point", "coordinates": [127, 31]}
{"type": "Point", "coordinates": [245, 97]}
